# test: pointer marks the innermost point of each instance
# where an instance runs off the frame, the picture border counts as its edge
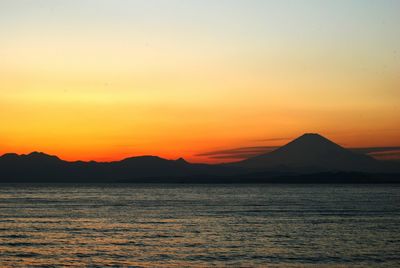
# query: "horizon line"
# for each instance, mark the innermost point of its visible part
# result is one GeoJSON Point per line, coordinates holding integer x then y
{"type": "Point", "coordinates": [235, 154]}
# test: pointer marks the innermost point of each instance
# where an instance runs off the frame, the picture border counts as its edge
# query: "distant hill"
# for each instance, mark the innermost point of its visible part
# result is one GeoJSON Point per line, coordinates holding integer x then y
{"type": "Point", "coordinates": [40, 167]}
{"type": "Point", "coordinates": [310, 158]}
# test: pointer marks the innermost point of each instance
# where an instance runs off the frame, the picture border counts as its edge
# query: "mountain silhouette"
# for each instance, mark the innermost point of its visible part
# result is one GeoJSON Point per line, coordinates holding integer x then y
{"type": "Point", "coordinates": [40, 167]}
{"type": "Point", "coordinates": [309, 158]}
{"type": "Point", "coordinates": [314, 152]}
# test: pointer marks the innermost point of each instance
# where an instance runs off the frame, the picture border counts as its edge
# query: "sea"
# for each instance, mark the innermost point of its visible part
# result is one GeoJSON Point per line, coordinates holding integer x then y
{"type": "Point", "coordinates": [199, 225]}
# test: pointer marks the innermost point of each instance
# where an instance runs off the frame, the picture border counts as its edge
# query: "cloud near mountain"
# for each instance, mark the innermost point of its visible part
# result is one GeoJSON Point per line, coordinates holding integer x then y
{"type": "Point", "coordinates": [241, 153]}
{"type": "Point", "coordinates": [238, 153]}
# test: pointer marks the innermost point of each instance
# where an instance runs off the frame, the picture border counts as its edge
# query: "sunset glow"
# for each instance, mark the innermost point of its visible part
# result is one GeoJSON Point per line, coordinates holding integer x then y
{"type": "Point", "coordinates": [104, 80]}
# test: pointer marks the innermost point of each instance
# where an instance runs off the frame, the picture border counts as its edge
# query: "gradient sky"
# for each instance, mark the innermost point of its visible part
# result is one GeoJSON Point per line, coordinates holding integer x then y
{"type": "Point", "coordinates": [105, 80]}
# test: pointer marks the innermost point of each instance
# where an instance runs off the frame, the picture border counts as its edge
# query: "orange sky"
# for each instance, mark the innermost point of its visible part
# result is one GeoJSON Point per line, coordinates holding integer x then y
{"type": "Point", "coordinates": [119, 82]}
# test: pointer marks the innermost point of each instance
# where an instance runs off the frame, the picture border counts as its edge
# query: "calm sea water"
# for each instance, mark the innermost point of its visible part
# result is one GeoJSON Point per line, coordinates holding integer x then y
{"type": "Point", "coordinates": [200, 225]}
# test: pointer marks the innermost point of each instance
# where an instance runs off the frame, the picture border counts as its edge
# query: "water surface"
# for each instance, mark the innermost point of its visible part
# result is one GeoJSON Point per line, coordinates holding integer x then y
{"type": "Point", "coordinates": [200, 225]}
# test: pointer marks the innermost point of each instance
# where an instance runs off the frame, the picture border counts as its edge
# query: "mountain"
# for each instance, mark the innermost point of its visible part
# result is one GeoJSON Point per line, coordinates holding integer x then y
{"type": "Point", "coordinates": [312, 152]}
{"type": "Point", "coordinates": [309, 158]}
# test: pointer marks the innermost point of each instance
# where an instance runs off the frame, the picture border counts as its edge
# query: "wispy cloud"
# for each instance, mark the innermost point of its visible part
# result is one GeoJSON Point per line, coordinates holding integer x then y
{"type": "Point", "coordinates": [274, 139]}
{"type": "Point", "coordinates": [383, 153]}
{"type": "Point", "coordinates": [393, 154]}
{"type": "Point", "coordinates": [238, 153]}
{"type": "Point", "coordinates": [372, 150]}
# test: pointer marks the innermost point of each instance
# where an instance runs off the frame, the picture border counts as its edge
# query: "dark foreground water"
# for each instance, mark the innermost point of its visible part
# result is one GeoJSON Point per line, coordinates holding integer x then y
{"type": "Point", "coordinates": [200, 225]}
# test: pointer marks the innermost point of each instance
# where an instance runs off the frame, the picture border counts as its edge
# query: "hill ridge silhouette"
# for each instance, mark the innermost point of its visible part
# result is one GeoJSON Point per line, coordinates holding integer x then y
{"type": "Point", "coordinates": [310, 153]}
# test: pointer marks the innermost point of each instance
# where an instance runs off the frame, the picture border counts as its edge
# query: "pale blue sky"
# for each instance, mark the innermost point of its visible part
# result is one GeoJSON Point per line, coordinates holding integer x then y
{"type": "Point", "coordinates": [284, 20]}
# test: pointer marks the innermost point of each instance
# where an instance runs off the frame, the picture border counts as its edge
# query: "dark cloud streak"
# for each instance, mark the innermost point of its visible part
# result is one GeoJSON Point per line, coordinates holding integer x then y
{"type": "Point", "coordinates": [370, 150]}
{"type": "Point", "coordinates": [238, 153]}
{"type": "Point", "coordinates": [275, 139]}
{"type": "Point", "coordinates": [247, 152]}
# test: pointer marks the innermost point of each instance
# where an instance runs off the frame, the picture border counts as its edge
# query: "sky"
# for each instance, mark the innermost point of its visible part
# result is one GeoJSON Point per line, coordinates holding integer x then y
{"type": "Point", "coordinates": [103, 80]}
